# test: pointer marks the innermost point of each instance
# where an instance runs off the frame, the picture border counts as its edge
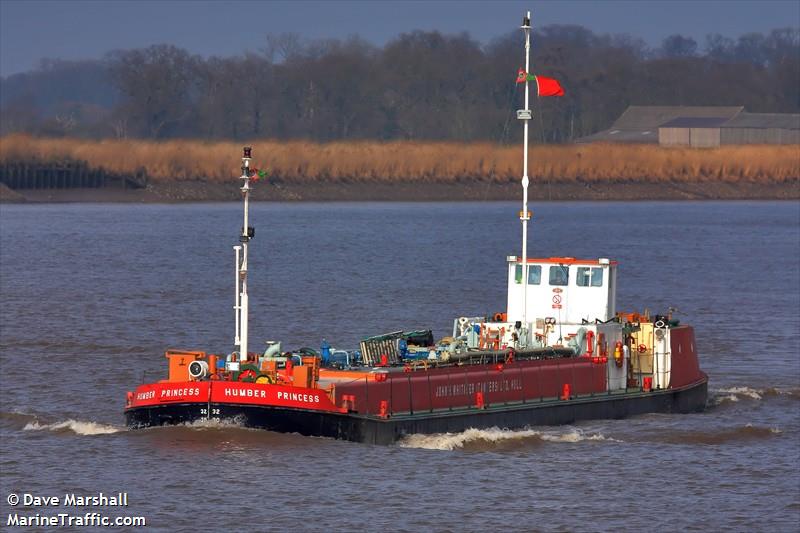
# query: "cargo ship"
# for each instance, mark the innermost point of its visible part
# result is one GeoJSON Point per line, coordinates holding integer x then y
{"type": "Point", "coordinates": [561, 352]}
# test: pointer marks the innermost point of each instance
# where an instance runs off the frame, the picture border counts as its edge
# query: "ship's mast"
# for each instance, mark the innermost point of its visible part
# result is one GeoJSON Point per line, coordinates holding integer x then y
{"type": "Point", "coordinates": [240, 251]}
{"type": "Point", "coordinates": [524, 216]}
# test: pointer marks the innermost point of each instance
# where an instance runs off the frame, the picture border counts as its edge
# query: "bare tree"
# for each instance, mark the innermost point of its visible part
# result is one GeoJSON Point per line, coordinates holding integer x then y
{"type": "Point", "coordinates": [420, 85]}
{"type": "Point", "coordinates": [156, 83]}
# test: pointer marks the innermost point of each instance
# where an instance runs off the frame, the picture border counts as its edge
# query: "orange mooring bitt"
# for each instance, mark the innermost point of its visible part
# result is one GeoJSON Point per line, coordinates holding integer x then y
{"type": "Point", "coordinates": [348, 402]}
{"type": "Point", "coordinates": [565, 392]}
{"type": "Point", "coordinates": [479, 401]}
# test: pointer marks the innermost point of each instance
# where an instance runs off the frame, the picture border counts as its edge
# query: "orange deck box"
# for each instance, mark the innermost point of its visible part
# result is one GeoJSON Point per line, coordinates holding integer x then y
{"type": "Point", "coordinates": [179, 364]}
{"type": "Point", "coordinates": [302, 376]}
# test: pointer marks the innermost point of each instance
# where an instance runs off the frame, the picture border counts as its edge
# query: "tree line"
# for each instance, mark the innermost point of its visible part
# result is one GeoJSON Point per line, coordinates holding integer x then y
{"type": "Point", "coordinates": [419, 86]}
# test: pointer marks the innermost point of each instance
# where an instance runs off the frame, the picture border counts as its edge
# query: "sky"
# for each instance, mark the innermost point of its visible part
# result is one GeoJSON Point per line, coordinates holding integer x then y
{"type": "Point", "coordinates": [86, 29]}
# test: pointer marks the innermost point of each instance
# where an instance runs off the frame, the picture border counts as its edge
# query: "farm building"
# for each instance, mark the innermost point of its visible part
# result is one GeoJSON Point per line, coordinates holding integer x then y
{"type": "Point", "coordinates": [761, 128]}
{"type": "Point", "coordinates": [639, 124]}
{"type": "Point", "coordinates": [699, 127]}
{"type": "Point", "coordinates": [700, 132]}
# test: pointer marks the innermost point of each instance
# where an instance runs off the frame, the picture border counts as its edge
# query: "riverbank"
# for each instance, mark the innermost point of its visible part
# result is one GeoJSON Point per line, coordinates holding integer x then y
{"type": "Point", "coordinates": [189, 170]}
{"type": "Point", "coordinates": [199, 191]}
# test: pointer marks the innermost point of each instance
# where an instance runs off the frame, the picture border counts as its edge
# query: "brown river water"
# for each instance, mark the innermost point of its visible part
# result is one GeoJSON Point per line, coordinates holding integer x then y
{"type": "Point", "coordinates": [92, 295]}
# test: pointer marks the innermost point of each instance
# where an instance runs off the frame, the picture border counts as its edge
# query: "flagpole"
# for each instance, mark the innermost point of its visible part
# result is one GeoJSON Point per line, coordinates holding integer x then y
{"type": "Point", "coordinates": [524, 216]}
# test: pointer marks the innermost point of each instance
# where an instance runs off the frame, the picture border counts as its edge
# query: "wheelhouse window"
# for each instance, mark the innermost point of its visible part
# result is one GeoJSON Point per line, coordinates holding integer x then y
{"type": "Point", "coordinates": [559, 275]}
{"type": "Point", "coordinates": [534, 274]}
{"type": "Point", "coordinates": [590, 277]}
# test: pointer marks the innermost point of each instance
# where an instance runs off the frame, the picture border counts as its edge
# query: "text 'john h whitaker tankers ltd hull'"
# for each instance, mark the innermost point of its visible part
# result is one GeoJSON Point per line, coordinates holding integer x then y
{"type": "Point", "coordinates": [559, 353]}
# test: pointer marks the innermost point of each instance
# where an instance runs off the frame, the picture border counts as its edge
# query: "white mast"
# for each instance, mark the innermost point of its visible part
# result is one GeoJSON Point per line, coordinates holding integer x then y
{"type": "Point", "coordinates": [525, 115]}
{"type": "Point", "coordinates": [240, 251]}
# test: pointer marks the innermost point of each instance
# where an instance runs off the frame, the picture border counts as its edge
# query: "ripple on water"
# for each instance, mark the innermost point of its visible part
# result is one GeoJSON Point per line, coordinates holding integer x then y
{"type": "Point", "coordinates": [96, 293]}
{"type": "Point", "coordinates": [496, 438]}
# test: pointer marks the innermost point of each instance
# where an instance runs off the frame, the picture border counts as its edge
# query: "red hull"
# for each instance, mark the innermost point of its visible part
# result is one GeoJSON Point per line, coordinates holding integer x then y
{"type": "Point", "coordinates": [453, 387]}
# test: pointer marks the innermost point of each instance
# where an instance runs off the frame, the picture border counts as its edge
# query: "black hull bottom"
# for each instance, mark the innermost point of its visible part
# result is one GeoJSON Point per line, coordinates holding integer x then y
{"type": "Point", "coordinates": [374, 430]}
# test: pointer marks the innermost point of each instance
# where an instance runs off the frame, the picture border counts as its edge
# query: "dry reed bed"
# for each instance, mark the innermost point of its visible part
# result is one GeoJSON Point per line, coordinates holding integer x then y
{"type": "Point", "coordinates": [368, 161]}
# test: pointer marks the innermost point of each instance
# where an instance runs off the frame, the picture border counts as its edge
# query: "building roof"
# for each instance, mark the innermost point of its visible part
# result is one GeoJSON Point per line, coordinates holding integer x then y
{"type": "Point", "coordinates": [651, 117]}
{"type": "Point", "coordinates": [639, 124]}
{"type": "Point", "coordinates": [783, 121]}
{"type": "Point", "coordinates": [695, 122]}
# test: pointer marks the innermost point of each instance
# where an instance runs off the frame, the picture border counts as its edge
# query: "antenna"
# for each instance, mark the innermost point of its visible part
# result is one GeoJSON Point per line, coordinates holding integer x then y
{"type": "Point", "coordinates": [240, 306]}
